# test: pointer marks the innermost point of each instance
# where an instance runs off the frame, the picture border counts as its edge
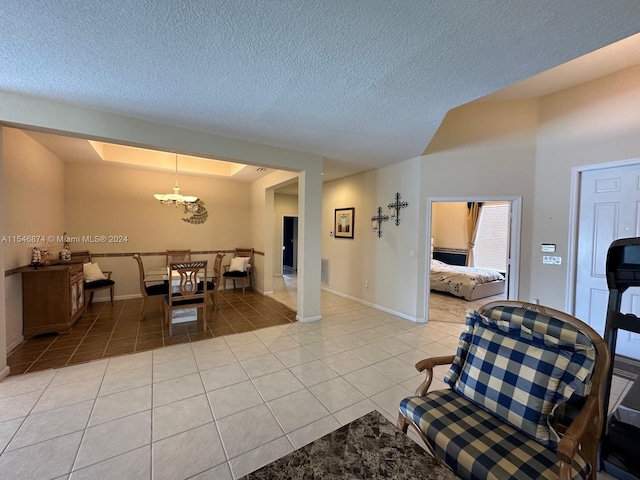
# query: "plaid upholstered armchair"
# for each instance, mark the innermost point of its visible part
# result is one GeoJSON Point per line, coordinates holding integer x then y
{"type": "Point", "coordinates": [525, 397]}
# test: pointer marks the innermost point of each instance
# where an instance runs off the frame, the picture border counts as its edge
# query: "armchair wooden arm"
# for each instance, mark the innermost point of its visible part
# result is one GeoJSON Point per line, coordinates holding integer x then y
{"type": "Point", "coordinates": [428, 364]}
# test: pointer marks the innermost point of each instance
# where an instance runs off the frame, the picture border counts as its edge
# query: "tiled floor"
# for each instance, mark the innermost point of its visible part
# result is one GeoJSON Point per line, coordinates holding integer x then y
{"type": "Point", "coordinates": [216, 408]}
{"type": "Point", "coordinates": [106, 331]}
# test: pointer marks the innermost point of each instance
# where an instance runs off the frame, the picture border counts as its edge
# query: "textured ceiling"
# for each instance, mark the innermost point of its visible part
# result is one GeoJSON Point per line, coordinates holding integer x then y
{"type": "Point", "coordinates": [360, 82]}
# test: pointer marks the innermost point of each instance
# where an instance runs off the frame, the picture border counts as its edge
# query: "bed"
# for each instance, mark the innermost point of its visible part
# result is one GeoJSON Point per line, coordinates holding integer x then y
{"type": "Point", "coordinates": [466, 282]}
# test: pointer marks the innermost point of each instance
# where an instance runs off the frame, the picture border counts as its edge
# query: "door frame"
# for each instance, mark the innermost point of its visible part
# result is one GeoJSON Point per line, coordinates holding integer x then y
{"type": "Point", "coordinates": [514, 241]}
{"type": "Point", "coordinates": [286, 215]}
{"type": "Point", "coordinates": [574, 218]}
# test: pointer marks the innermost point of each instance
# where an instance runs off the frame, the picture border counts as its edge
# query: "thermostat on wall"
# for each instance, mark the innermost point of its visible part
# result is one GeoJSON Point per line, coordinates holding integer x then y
{"type": "Point", "coordinates": [548, 247]}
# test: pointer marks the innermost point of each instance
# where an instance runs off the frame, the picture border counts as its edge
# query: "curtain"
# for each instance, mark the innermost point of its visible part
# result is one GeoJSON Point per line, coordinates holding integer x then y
{"type": "Point", "coordinates": [473, 215]}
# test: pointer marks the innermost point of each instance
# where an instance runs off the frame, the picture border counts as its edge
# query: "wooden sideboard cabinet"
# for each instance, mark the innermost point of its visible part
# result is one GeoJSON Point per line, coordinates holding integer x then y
{"type": "Point", "coordinates": [52, 299]}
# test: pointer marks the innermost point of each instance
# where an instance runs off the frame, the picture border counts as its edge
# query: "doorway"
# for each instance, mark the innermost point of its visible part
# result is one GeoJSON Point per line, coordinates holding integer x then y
{"type": "Point", "coordinates": [289, 244]}
{"type": "Point", "coordinates": [451, 237]}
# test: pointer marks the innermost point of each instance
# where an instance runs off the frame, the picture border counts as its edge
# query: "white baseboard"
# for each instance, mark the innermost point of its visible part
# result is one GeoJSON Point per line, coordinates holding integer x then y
{"type": "Point", "coordinates": [4, 372]}
{"type": "Point", "coordinates": [376, 306]}
{"type": "Point", "coordinates": [15, 344]}
{"type": "Point", "coordinates": [308, 319]}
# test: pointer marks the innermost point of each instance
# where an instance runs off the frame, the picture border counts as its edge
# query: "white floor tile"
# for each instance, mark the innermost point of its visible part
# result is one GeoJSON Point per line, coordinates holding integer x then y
{"type": "Point", "coordinates": [367, 364]}
{"type": "Point", "coordinates": [250, 350]}
{"type": "Point", "coordinates": [187, 454]}
{"type": "Point", "coordinates": [133, 465]}
{"type": "Point", "coordinates": [78, 373]}
{"type": "Point", "coordinates": [178, 417]}
{"type": "Point", "coordinates": [221, 472]}
{"type": "Point", "coordinates": [233, 399]}
{"type": "Point", "coordinates": [172, 353]}
{"type": "Point", "coordinates": [389, 400]}
{"type": "Point", "coordinates": [297, 409]}
{"type": "Point", "coordinates": [309, 433]}
{"type": "Point", "coordinates": [336, 394]}
{"type": "Point", "coordinates": [50, 459]}
{"type": "Point", "coordinates": [224, 376]}
{"type": "Point", "coordinates": [8, 430]}
{"type": "Point", "coordinates": [349, 341]}
{"type": "Point", "coordinates": [343, 363]}
{"type": "Point", "coordinates": [306, 337]}
{"type": "Point", "coordinates": [277, 384]}
{"type": "Point", "coordinates": [55, 397]}
{"type": "Point", "coordinates": [126, 380]}
{"type": "Point", "coordinates": [395, 369]}
{"type": "Point", "coordinates": [259, 457]}
{"type": "Point", "coordinates": [295, 356]}
{"type": "Point", "coordinates": [241, 339]}
{"type": "Point", "coordinates": [18, 405]}
{"type": "Point", "coordinates": [259, 421]}
{"type": "Point", "coordinates": [283, 342]}
{"type": "Point", "coordinates": [168, 370]}
{"type": "Point", "coordinates": [122, 404]}
{"type": "Point", "coordinates": [256, 367]}
{"type": "Point", "coordinates": [436, 349]}
{"type": "Point", "coordinates": [313, 373]}
{"type": "Point", "coordinates": [51, 424]}
{"type": "Point", "coordinates": [177, 389]}
{"type": "Point", "coordinates": [114, 438]}
{"type": "Point", "coordinates": [370, 354]}
{"type": "Point", "coordinates": [129, 362]}
{"type": "Point", "coordinates": [369, 380]}
{"type": "Point", "coordinates": [354, 411]}
{"type": "Point", "coordinates": [392, 346]}
{"type": "Point", "coordinates": [325, 348]}
{"type": "Point", "coordinates": [219, 358]}
{"type": "Point", "coordinates": [31, 382]}
{"type": "Point", "coordinates": [208, 346]}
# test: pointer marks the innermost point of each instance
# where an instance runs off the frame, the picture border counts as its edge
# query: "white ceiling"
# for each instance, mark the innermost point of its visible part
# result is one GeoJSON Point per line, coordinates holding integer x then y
{"type": "Point", "coordinates": [364, 83]}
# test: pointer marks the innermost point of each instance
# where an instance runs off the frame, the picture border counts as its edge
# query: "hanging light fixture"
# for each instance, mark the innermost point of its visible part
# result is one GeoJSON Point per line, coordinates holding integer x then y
{"type": "Point", "coordinates": [175, 198]}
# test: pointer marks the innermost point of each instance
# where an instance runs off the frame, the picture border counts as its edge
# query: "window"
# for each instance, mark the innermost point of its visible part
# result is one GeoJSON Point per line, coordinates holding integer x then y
{"type": "Point", "coordinates": [493, 237]}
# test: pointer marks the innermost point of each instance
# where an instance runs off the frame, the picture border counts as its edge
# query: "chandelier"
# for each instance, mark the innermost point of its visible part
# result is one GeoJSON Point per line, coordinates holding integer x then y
{"type": "Point", "coordinates": [175, 199]}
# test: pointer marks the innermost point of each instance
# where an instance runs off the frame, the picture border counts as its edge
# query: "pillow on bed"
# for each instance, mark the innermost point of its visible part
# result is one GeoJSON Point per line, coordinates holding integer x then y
{"type": "Point", "coordinates": [437, 263]}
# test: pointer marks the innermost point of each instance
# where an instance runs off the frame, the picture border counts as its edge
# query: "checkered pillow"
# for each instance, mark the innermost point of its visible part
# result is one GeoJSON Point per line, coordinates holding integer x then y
{"type": "Point", "coordinates": [577, 379]}
{"type": "Point", "coordinates": [514, 373]}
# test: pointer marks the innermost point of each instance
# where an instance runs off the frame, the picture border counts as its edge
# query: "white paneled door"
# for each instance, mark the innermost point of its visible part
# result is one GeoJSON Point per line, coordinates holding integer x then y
{"type": "Point", "coordinates": [609, 210]}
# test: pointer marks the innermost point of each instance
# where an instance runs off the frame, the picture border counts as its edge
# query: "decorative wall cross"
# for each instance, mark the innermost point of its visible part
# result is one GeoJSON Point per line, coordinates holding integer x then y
{"type": "Point", "coordinates": [397, 205]}
{"type": "Point", "coordinates": [379, 218]}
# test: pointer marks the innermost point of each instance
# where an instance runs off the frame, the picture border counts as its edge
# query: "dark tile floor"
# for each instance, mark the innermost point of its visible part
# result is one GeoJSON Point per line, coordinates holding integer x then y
{"type": "Point", "coordinates": [106, 331]}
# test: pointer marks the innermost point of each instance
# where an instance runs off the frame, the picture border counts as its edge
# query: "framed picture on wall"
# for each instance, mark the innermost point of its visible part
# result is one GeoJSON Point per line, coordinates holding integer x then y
{"type": "Point", "coordinates": [343, 222]}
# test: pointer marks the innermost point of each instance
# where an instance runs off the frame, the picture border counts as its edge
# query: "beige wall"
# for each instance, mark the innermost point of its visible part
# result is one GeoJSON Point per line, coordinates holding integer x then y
{"type": "Point", "coordinates": [284, 204]}
{"type": "Point", "coordinates": [108, 200]}
{"type": "Point", "coordinates": [449, 225]}
{"type": "Point", "coordinates": [487, 150]}
{"type": "Point", "coordinates": [384, 263]}
{"type": "Point", "coordinates": [33, 204]}
{"type": "Point", "coordinates": [593, 123]}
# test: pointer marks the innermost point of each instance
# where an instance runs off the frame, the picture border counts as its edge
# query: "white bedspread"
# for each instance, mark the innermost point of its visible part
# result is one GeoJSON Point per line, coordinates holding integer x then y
{"type": "Point", "coordinates": [460, 281]}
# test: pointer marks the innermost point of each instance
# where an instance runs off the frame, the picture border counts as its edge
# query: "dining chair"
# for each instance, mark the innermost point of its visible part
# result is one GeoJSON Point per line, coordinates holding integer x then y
{"type": "Point", "coordinates": [178, 256]}
{"type": "Point", "coordinates": [217, 277]}
{"type": "Point", "coordinates": [186, 291]}
{"type": "Point", "coordinates": [214, 283]}
{"type": "Point", "coordinates": [240, 268]}
{"type": "Point", "coordinates": [94, 277]}
{"type": "Point", "coordinates": [148, 290]}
